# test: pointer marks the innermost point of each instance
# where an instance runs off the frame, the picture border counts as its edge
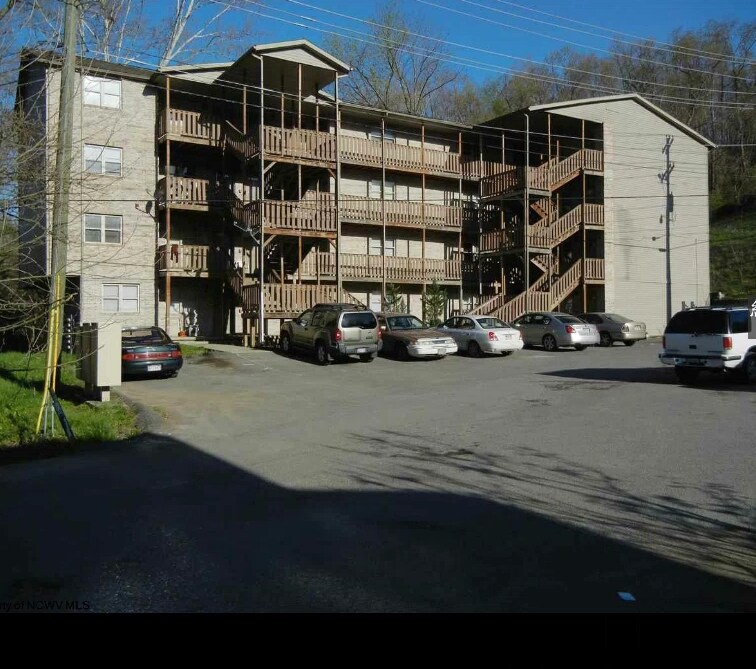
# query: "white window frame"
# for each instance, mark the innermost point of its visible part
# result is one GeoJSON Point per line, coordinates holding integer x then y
{"type": "Point", "coordinates": [104, 155]}
{"type": "Point", "coordinates": [123, 303]}
{"type": "Point", "coordinates": [89, 224]}
{"type": "Point", "coordinates": [95, 94]}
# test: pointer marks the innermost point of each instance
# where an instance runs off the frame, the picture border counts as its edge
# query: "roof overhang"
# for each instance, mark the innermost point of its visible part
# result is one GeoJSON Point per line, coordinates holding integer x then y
{"type": "Point", "coordinates": [635, 97]}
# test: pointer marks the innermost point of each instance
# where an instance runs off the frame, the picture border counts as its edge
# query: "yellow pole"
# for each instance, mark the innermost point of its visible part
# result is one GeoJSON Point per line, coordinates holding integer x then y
{"type": "Point", "coordinates": [52, 351]}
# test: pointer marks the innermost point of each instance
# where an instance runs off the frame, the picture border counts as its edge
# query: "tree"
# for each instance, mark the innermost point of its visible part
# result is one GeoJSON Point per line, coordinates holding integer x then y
{"type": "Point", "coordinates": [434, 302]}
{"type": "Point", "coordinates": [394, 299]}
{"type": "Point", "coordinates": [400, 68]}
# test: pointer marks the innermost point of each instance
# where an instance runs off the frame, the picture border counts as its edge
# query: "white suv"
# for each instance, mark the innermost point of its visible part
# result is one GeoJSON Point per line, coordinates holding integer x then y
{"type": "Point", "coordinates": [711, 339]}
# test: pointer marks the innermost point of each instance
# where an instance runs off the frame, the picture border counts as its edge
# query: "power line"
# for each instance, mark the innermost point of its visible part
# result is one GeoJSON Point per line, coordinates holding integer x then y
{"type": "Point", "coordinates": [618, 32]}
{"type": "Point", "coordinates": [404, 31]}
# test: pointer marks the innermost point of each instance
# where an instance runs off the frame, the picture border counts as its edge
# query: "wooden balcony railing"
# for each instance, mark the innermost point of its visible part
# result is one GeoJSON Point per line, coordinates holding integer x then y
{"type": "Point", "coordinates": [400, 212]}
{"type": "Point", "coordinates": [361, 151]}
{"type": "Point", "coordinates": [545, 177]}
{"type": "Point", "coordinates": [300, 144]}
{"type": "Point", "coordinates": [593, 214]}
{"type": "Point", "coordinates": [594, 269]}
{"type": "Point", "coordinates": [187, 193]}
{"type": "Point", "coordinates": [476, 169]}
{"type": "Point", "coordinates": [500, 240]}
{"type": "Point", "coordinates": [291, 299]}
{"type": "Point", "coordinates": [363, 266]}
{"type": "Point", "coordinates": [191, 126]}
{"type": "Point", "coordinates": [183, 258]}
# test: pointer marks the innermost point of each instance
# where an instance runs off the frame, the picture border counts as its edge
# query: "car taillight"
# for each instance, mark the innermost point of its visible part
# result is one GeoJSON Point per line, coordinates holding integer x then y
{"type": "Point", "coordinates": [337, 336]}
{"type": "Point", "coordinates": [175, 354]}
{"type": "Point", "coordinates": [570, 329]}
{"type": "Point", "coordinates": [128, 356]}
{"type": "Point", "coordinates": [380, 333]}
{"type": "Point", "coordinates": [492, 336]}
{"type": "Point", "coordinates": [726, 342]}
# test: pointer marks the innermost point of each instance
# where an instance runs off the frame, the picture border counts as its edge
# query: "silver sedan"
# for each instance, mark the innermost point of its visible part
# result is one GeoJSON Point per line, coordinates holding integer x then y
{"type": "Point", "coordinates": [613, 327]}
{"type": "Point", "coordinates": [554, 330]}
{"type": "Point", "coordinates": [482, 334]}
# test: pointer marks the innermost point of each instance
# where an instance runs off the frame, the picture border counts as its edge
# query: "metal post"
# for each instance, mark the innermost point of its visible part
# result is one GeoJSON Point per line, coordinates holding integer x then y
{"type": "Point", "coordinates": [526, 217]}
{"type": "Point", "coordinates": [337, 188]}
{"type": "Point", "coordinates": [261, 199]}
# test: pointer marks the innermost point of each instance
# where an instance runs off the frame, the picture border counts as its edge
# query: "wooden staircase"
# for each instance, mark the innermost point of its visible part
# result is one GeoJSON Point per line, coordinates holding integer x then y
{"type": "Point", "coordinates": [541, 296]}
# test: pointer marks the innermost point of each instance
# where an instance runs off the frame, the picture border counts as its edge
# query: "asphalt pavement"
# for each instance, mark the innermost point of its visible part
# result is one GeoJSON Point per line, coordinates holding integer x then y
{"type": "Point", "coordinates": [573, 481]}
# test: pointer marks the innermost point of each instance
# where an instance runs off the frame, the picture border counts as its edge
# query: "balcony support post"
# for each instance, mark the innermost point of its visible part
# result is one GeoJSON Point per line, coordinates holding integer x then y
{"type": "Point", "coordinates": [525, 216]}
{"type": "Point", "coordinates": [337, 187]}
{"type": "Point", "coordinates": [383, 208]}
{"type": "Point", "coordinates": [261, 198]}
{"type": "Point", "coordinates": [585, 240]}
{"type": "Point", "coordinates": [168, 205]}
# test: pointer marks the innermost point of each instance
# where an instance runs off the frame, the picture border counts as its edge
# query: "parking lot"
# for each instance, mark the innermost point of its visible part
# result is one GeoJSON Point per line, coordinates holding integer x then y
{"type": "Point", "coordinates": [532, 482]}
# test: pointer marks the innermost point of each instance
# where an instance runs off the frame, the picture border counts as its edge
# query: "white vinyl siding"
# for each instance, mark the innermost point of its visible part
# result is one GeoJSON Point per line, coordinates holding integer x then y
{"type": "Point", "coordinates": [102, 160]}
{"type": "Point", "coordinates": [103, 228]}
{"type": "Point", "coordinates": [100, 92]}
{"type": "Point", "coordinates": [120, 298]}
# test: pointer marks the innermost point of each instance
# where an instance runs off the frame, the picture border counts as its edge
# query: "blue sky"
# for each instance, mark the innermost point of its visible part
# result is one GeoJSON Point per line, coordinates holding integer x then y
{"type": "Point", "coordinates": [648, 18]}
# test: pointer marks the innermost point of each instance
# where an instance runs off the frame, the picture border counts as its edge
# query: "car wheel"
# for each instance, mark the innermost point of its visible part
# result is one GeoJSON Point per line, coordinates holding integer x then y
{"type": "Point", "coordinates": [473, 349]}
{"type": "Point", "coordinates": [749, 369]}
{"type": "Point", "coordinates": [549, 343]}
{"type": "Point", "coordinates": [580, 347]}
{"type": "Point", "coordinates": [367, 357]}
{"type": "Point", "coordinates": [321, 353]}
{"type": "Point", "coordinates": [285, 344]}
{"type": "Point", "coordinates": [629, 343]}
{"type": "Point", "coordinates": [401, 352]}
{"type": "Point", "coordinates": [687, 375]}
{"type": "Point", "coordinates": [606, 339]}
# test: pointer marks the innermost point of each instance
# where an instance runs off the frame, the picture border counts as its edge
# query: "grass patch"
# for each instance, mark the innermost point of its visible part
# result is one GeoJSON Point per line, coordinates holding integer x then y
{"type": "Point", "coordinates": [21, 382]}
{"type": "Point", "coordinates": [733, 254]}
{"type": "Point", "coordinates": [188, 351]}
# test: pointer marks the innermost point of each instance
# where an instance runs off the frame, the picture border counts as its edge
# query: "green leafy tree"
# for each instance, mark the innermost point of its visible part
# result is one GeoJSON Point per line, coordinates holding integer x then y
{"type": "Point", "coordinates": [394, 300]}
{"type": "Point", "coordinates": [434, 302]}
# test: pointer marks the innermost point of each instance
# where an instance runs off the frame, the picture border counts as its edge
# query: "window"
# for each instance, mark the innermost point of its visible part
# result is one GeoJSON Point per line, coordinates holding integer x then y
{"type": "Point", "coordinates": [318, 319]}
{"type": "Point", "coordinates": [102, 228]}
{"type": "Point", "coordinates": [375, 246]}
{"type": "Point", "coordinates": [101, 92]}
{"type": "Point", "coordinates": [365, 320]}
{"type": "Point", "coordinates": [102, 160]}
{"type": "Point", "coordinates": [698, 322]}
{"type": "Point", "coordinates": [739, 321]}
{"type": "Point", "coordinates": [374, 189]}
{"type": "Point", "coordinates": [375, 302]}
{"type": "Point", "coordinates": [375, 136]}
{"type": "Point", "coordinates": [120, 298]}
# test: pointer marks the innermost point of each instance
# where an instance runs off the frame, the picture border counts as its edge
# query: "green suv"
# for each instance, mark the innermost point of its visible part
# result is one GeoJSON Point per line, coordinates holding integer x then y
{"type": "Point", "coordinates": [333, 331]}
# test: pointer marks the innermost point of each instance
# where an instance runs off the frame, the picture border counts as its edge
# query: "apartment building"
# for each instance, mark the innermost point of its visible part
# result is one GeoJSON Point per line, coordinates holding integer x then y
{"type": "Point", "coordinates": [221, 199]}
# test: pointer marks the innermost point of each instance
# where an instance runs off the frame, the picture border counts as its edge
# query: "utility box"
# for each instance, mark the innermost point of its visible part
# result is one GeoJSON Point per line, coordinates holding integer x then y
{"type": "Point", "coordinates": [98, 351]}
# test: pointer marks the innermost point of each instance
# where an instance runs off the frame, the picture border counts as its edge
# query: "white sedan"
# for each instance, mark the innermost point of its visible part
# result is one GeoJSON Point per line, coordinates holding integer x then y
{"type": "Point", "coordinates": [482, 334]}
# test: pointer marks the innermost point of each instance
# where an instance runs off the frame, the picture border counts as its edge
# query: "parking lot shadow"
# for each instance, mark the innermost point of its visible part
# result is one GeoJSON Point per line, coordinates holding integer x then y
{"type": "Point", "coordinates": [157, 525]}
{"type": "Point", "coordinates": [655, 375]}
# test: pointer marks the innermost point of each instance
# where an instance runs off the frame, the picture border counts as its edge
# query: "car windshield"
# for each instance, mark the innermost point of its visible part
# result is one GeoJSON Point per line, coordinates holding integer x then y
{"type": "Point", "coordinates": [568, 319]}
{"type": "Point", "coordinates": [698, 322]}
{"type": "Point", "coordinates": [492, 323]}
{"type": "Point", "coordinates": [361, 319]}
{"type": "Point", "coordinates": [405, 323]}
{"type": "Point", "coordinates": [144, 336]}
{"type": "Point", "coordinates": [616, 318]}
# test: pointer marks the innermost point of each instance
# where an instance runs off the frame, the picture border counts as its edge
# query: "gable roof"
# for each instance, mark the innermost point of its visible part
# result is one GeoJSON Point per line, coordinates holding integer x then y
{"type": "Point", "coordinates": [635, 97]}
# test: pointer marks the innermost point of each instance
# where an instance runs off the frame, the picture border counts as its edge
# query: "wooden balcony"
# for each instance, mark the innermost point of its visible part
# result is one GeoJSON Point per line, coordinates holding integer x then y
{"type": "Point", "coordinates": [298, 145]}
{"type": "Point", "coordinates": [290, 300]}
{"type": "Point", "coordinates": [401, 157]}
{"type": "Point", "coordinates": [189, 126]}
{"type": "Point", "coordinates": [359, 267]}
{"type": "Point", "coordinates": [594, 270]}
{"type": "Point", "coordinates": [495, 241]}
{"type": "Point", "coordinates": [477, 169]}
{"type": "Point", "coordinates": [403, 213]}
{"type": "Point", "coordinates": [188, 193]}
{"type": "Point", "coordinates": [184, 259]}
{"type": "Point", "coordinates": [543, 178]}
{"type": "Point", "coordinates": [315, 216]}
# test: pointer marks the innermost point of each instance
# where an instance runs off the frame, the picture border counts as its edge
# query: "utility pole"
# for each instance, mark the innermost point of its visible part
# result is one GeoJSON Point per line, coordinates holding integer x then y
{"type": "Point", "coordinates": [59, 228]}
{"type": "Point", "coordinates": [59, 231]}
{"type": "Point", "coordinates": [664, 177]}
